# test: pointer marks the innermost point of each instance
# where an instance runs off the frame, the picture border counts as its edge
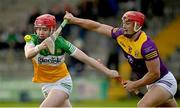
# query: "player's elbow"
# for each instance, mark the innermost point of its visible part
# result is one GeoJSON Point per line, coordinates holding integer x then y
{"type": "Point", "coordinates": [28, 56]}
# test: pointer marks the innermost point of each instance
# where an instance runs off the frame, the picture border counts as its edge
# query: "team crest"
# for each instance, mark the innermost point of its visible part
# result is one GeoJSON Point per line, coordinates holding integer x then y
{"type": "Point", "coordinates": [136, 53]}
{"type": "Point", "coordinates": [122, 44]}
{"type": "Point", "coordinates": [129, 49]}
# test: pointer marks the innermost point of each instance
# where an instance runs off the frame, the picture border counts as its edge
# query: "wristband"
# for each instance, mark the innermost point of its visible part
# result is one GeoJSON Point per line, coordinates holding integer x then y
{"type": "Point", "coordinates": [36, 48]}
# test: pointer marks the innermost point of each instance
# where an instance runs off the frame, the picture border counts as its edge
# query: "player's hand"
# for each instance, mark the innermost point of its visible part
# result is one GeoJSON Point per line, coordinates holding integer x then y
{"type": "Point", "coordinates": [69, 17]}
{"type": "Point", "coordinates": [42, 45]}
{"type": "Point", "coordinates": [130, 86]}
{"type": "Point", "coordinates": [113, 74]}
{"type": "Point", "coordinates": [119, 79]}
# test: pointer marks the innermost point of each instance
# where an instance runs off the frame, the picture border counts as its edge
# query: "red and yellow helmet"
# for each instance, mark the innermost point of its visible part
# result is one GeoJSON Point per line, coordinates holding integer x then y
{"type": "Point", "coordinates": [45, 20]}
{"type": "Point", "coordinates": [134, 16]}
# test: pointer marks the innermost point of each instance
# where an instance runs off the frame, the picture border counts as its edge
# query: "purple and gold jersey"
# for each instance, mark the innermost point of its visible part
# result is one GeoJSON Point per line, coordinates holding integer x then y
{"type": "Point", "coordinates": [139, 51]}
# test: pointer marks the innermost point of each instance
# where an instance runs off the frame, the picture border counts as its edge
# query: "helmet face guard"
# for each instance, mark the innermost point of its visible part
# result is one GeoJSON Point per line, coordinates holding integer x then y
{"type": "Point", "coordinates": [136, 17]}
{"type": "Point", "coordinates": [45, 20]}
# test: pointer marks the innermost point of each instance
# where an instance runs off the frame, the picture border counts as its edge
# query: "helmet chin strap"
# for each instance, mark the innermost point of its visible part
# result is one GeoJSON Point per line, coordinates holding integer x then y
{"type": "Point", "coordinates": [136, 29]}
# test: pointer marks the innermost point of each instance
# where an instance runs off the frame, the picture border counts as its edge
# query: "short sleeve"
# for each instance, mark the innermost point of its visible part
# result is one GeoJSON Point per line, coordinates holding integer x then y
{"type": "Point", "coordinates": [116, 33]}
{"type": "Point", "coordinates": [29, 40]}
{"type": "Point", "coordinates": [149, 50]}
{"type": "Point", "coordinates": [67, 46]}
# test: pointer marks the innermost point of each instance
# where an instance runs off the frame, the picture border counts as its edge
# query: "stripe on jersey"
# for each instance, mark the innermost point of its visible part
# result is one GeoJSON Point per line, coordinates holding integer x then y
{"type": "Point", "coordinates": [151, 55]}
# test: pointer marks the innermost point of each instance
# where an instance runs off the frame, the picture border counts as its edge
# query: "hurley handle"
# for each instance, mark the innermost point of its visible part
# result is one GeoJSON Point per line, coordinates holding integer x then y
{"type": "Point", "coordinates": [64, 23]}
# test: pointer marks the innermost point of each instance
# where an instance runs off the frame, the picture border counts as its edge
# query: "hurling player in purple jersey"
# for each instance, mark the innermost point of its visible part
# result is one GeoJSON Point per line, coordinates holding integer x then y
{"type": "Point", "coordinates": [142, 55]}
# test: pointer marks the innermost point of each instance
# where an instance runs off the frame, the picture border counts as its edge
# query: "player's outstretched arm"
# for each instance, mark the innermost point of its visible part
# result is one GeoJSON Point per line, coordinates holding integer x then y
{"type": "Point", "coordinates": [89, 24]}
{"type": "Point", "coordinates": [94, 63]}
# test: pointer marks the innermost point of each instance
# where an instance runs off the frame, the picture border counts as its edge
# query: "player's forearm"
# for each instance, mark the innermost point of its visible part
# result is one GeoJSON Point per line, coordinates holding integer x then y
{"type": "Point", "coordinates": [149, 78]}
{"type": "Point", "coordinates": [91, 62]}
{"type": "Point", "coordinates": [86, 23]}
{"type": "Point", "coordinates": [31, 52]}
{"type": "Point", "coordinates": [98, 66]}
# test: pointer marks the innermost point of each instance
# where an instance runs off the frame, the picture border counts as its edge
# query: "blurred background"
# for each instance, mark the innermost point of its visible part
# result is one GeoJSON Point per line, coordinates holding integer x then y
{"type": "Point", "coordinates": [17, 18]}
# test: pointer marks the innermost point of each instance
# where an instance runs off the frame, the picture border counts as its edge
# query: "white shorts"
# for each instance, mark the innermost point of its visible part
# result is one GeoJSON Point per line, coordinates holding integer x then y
{"type": "Point", "coordinates": [64, 84]}
{"type": "Point", "coordinates": [168, 82]}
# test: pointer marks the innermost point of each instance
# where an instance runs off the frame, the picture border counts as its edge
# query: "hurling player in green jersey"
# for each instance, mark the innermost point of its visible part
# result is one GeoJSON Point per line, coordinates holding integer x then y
{"type": "Point", "coordinates": [142, 55]}
{"type": "Point", "coordinates": [50, 71]}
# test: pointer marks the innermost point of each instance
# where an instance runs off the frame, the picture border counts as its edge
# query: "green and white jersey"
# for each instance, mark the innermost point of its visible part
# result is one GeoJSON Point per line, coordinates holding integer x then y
{"type": "Point", "coordinates": [61, 46]}
{"type": "Point", "coordinates": [51, 67]}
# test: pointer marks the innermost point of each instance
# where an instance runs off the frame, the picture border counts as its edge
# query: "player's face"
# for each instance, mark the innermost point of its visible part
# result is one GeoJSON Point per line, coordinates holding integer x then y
{"type": "Point", "coordinates": [42, 31]}
{"type": "Point", "coordinates": [128, 27]}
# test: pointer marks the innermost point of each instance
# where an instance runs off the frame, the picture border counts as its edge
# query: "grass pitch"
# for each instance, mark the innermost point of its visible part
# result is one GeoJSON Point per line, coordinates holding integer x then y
{"type": "Point", "coordinates": [81, 103]}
